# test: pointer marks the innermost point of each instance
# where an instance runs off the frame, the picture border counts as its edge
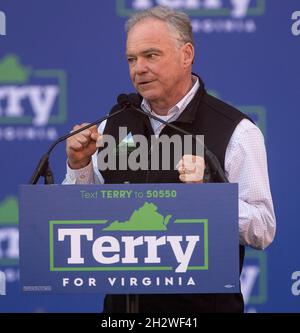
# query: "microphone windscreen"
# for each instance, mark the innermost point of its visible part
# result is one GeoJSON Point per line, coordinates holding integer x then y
{"type": "Point", "coordinates": [123, 100]}
{"type": "Point", "coordinates": [134, 99]}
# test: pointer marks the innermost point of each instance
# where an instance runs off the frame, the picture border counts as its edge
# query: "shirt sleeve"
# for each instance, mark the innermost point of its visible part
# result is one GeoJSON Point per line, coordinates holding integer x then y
{"type": "Point", "coordinates": [87, 175]}
{"type": "Point", "coordinates": [246, 164]}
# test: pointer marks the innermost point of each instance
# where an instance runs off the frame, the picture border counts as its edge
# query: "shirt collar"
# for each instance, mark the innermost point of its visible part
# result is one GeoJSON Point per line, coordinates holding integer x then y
{"type": "Point", "coordinates": [177, 109]}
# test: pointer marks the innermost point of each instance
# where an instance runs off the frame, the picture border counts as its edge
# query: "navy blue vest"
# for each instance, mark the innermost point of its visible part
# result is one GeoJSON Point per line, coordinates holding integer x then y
{"type": "Point", "coordinates": [216, 120]}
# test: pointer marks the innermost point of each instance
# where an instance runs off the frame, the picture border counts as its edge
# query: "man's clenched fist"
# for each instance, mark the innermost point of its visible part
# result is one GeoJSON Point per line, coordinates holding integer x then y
{"type": "Point", "coordinates": [191, 169]}
{"type": "Point", "coordinates": [82, 146]}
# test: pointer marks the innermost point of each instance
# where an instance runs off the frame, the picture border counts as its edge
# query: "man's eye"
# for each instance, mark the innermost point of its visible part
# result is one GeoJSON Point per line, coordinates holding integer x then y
{"type": "Point", "coordinates": [130, 60]}
{"type": "Point", "coordinates": [151, 56]}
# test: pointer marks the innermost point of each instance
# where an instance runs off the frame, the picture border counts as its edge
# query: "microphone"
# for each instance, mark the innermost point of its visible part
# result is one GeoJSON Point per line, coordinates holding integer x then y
{"type": "Point", "coordinates": [43, 167]}
{"type": "Point", "coordinates": [123, 100]}
{"type": "Point", "coordinates": [214, 167]}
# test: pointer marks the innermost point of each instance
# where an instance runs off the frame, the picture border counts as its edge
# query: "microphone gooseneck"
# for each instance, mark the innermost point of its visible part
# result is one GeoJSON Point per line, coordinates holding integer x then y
{"type": "Point", "coordinates": [43, 167]}
{"type": "Point", "coordinates": [124, 101]}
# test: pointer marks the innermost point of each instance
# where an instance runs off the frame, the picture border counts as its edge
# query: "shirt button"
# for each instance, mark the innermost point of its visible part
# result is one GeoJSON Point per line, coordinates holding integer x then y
{"type": "Point", "coordinates": [82, 176]}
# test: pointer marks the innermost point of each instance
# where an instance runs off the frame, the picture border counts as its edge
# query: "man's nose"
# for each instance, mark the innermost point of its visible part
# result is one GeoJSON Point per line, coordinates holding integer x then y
{"type": "Point", "coordinates": [141, 66]}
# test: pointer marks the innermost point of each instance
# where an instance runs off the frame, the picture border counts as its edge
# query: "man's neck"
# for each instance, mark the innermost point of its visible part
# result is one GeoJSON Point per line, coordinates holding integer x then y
{"type": "Point", "coordinates": [163, 107]}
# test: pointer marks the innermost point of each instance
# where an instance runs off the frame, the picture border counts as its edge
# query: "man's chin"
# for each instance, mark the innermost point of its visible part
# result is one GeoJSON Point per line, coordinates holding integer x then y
{"type": "Point", "coordinates": [148, 95]}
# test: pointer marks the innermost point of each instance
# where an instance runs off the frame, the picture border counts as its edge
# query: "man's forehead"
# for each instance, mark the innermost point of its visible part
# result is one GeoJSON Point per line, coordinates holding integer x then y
{"type": "Point", "coordinates": [149, 22]}
{"type": "Point", "coordinates": [149, 29]}
{"type": "Point", "coordinates": [148, 35]}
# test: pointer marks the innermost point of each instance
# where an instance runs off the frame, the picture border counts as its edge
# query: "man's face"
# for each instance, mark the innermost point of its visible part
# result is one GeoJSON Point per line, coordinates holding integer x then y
{"type": "Point", "coordinates": [156, 62]}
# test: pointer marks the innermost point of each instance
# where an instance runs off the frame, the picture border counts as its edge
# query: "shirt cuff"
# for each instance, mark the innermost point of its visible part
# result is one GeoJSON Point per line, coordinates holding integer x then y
{"type": "Point", "coordinates": [81, 176]}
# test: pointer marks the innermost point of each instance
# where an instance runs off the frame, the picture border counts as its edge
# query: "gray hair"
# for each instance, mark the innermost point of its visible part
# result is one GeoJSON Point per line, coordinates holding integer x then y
{"type": "Point", "coordinates": [178, 22]}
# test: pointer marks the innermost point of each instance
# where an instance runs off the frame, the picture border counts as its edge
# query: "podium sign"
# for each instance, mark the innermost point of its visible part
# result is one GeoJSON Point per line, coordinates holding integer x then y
{"type": "Point", "coordinates": [129, 238]}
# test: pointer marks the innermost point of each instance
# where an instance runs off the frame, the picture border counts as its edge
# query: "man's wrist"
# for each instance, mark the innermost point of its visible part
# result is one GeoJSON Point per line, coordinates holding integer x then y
{"type": "Point", "coordinates": [79, 165]}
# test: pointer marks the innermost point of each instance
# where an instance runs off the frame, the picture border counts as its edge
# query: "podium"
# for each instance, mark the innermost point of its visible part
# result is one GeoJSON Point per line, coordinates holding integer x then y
{"type": "Point", "coordinates": [129, 238]}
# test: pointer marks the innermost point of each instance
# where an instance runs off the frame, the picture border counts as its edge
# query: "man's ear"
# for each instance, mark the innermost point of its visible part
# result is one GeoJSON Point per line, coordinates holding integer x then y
{"type": "Point", "coordinates": [188, 54]}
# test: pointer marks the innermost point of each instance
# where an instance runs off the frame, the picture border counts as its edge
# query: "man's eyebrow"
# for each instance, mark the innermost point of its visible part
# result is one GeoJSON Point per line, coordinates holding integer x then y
{"type": "Point", "coordinates": [152, 49]}
{"type": "Point", "coordinates": [147, 51]}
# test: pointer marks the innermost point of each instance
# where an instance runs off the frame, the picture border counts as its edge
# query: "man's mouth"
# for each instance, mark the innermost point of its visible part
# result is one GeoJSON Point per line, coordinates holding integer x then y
{"type": "Point", "coordinates": [144, 83]}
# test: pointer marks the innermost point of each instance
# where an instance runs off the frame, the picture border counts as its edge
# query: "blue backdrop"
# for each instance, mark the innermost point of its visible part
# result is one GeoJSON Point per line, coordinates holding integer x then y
{"type": "Point", "coordinates": [62, 62]}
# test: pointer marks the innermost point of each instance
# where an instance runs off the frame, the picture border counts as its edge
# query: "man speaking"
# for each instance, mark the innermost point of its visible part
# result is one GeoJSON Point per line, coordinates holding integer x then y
{"type": "Point", "coordinates": [160, 54]}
